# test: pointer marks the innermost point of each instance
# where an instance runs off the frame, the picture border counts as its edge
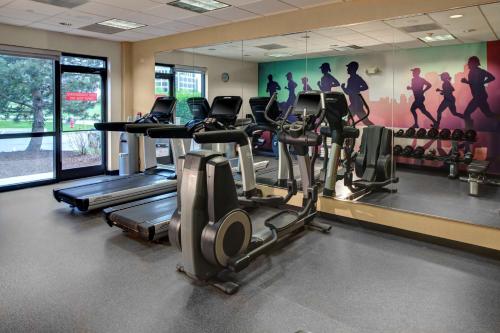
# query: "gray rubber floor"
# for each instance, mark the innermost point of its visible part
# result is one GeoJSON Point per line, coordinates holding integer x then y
{"type": "Point", "coordinates": [62, 272]}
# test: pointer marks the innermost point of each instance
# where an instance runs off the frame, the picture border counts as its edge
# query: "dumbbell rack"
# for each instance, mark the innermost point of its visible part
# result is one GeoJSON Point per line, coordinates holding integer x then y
{"type": "Point", "coordinates": [453, 164]}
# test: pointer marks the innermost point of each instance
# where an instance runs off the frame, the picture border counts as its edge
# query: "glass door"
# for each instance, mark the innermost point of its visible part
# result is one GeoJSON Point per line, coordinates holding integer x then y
{"type": "Point", "coordinates": [83, 103]}
{"type": "Point", "coordinates": [27, 114]}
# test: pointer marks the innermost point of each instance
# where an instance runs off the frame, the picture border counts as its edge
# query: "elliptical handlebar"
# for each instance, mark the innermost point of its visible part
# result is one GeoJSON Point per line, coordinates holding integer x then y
{"type": "Point", "coordinates": [268, 108]}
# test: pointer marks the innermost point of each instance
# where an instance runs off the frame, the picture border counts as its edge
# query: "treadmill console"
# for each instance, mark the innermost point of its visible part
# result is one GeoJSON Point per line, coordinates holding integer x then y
{"type": "Point", "coordinates": [199, 107]}
{"type": "Point", "coordinates": [226, 108]}
{"type": "Point", "coordinates": [163, 109]}
{"type": "Point", "coordinates": [258, 106]}
{"type": "Point", "coordinates": [308, 103]}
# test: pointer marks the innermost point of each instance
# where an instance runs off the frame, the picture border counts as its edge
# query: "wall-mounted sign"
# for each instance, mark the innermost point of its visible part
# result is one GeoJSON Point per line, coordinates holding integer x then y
{"type": "Point", "coordinates": [81, 96]}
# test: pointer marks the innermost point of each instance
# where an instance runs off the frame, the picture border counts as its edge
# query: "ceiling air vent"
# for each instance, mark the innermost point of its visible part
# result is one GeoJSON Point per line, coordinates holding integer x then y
{"type": "Point", "coordinates": [103, 29]}
{"type": "Point", "coordinates": [421, 27]}
{"type": "Point", "coordinates": [63, 3]}
{"type": "Point", "coordinates": [271, 47]}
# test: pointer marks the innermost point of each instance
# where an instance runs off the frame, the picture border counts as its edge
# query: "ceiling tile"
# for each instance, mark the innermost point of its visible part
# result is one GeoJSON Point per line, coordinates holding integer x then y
{"type": "Point", "coordinates": [476, 36]}
{"type": "Point", "coordinates": [169, 12]}
{"type": "Point", "coordinates": [232, 14]}
{"type": "Point", "coordinates": [133, 36]}
{"type": "Point", "coordinates": [154, 31]}
{"type": "Point", "coordinates": [51, 27]}
{"type": "Point", "coordinates": [203, 20]}
{"type": "Point", "coordinates": [422, 34]}
{"type": "Point", "coordinates": [35, 7]}
{"type": "Point", "coordinates": [368, 27]}
{"type": "Point", "coordinates": [105, 10]}
{"type": "Point", "coordinates": [309, 3]}
{"type": "Point", "coordinates": [12, 21]}
{"type": "Point", "coordinates": [411, 45]}
{"type": "Point", "coordinates": [145, 18]}
{"type": "Point", "coordinates": [268, 7]}
{"type": "Point", "coordinates": [177, 26]}
{"type": "Point", "coordinates": [18, 14]}
{"type": "Point", "coordinates": [75, 18]}
{"type": "Point", "coordinates": [4, 2]}
{"type": "Point", "coordinates": [137, 5]}
{"type": "Point", "coordinates": [409, 21]}
{"type": "Point", "coordinates": [472, 19]}
{"type": "Point", "coordinates": [492, 13]}
{"type": "Point", "coordinates": [238, 3]}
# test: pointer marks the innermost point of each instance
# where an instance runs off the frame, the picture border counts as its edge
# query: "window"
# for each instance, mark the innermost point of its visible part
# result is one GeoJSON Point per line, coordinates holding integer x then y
{"type": "Point", "coordinates": [188, 83]}
{"type": "Point", "coordinates": [163, 80]}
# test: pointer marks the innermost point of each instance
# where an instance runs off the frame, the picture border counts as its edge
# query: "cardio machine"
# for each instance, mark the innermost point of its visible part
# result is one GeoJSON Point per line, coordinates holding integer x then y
{"type": "Point", "coordinates": [263, 123]}
{"type": "Point", "coordinates": [120, 189]}
{"type": "Point", "coordinates": [150, 218]}
{"type": "Point", "coordinates": [213, 232]}
{"type": "Point", "coordinates": [373, 164]}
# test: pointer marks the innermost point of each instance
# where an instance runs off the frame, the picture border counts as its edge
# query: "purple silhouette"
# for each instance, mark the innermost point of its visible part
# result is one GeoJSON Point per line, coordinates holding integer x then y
{"type": "Point", "coordinates": [355, 85]}
{"type": "Point", "coordinates": [272, 86]}
{"type": "Point", "coordinates": [448, 98]}
{"type": "Point", "coordinates": [292, 85]}
{"type": "Point", "coordinates": [419, 86]}
{"type": "Point", "coordinates": [477, 79]}
{"type": "Point", "coordinates": [305, 84]}
{"type": "Point", "coordinates": [327, 80]}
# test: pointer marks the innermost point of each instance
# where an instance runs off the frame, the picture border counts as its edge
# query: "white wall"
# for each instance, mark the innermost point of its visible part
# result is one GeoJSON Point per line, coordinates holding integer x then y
{"type": "Point", "coordinates": [47, 40]}
{"type": "Point", "coordinates": [243, 76]}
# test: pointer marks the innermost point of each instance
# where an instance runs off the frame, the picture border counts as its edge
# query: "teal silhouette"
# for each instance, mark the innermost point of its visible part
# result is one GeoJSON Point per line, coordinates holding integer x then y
{"type": "Point", "coordinates": [477, 79]}
{"type": "Point", "coordinates": [355, 85]}
{"type": "Point", "coordinates": [272, 86]}
{"type": "Point", "coordinates": [449, 100]}
{"type": "Point", "coordinates": [419, 86]}
{"type": "Point", "coordinates": [327, 80]}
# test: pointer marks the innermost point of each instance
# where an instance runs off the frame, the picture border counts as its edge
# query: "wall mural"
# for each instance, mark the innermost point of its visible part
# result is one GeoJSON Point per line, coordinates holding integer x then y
{"type": "Point", "coordinates": [456, 86]}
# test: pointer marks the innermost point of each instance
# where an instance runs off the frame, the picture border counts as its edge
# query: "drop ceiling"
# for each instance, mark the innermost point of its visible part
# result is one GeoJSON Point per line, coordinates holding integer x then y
{"type": "Point", "coordinates": [476, 24]}
{"type": "Point", "coordinates": [160, 18]}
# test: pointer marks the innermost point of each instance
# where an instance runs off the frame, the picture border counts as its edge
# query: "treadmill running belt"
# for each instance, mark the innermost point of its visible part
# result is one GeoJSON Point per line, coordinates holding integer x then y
{"type": "Point", "coordinates": [109, 187]}
{"type": "Point", "coordinates": [146, 212]}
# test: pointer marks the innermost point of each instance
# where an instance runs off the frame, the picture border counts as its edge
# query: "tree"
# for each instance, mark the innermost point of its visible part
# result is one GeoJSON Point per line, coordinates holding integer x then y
{"type": "Point", "coordinates": [26, 91]}
{"type": "Point", "coordinates": [82, 83]}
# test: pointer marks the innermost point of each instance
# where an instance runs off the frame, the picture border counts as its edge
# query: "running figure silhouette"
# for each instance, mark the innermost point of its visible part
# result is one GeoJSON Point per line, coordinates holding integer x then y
{"type": "Point", "coordinates": [327, 80]}
{"type": "Point", "coordinates": [305, 84]}
{"type": "Point", "coordinates": [477, 79]}
{"type": "Point", "coordinates": [448, 102]}
{"type": "Point", "coordinates": [272, 86]}
{"type": "Point", "coordinates": [292, 85]}
{"type": "Point", "coordinates": [355, 85]}
{"type": "Point", "coordinates": [419, 86]}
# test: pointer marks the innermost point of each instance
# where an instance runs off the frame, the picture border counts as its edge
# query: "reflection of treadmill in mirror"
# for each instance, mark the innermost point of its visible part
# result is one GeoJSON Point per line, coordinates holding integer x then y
{"type": "Point", "coordinates": [120, 189]}
{"type": "Point", "coordinates": [149, 218]}
{"type": "Point", "coordinates": [258, 106]}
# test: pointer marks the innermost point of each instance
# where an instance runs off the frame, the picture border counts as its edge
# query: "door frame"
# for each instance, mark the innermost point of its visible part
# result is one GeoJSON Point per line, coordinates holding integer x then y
{"type": "Point", "coordinates": [95, 170]}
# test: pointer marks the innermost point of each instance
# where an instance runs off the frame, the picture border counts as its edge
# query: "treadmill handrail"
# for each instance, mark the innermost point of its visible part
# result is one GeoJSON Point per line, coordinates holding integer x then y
{"type": "Point", "coordinates": [114, 126]}
{"type": "Point", "coordinates": [170, 131]}
{"type": "Point", "coordinates": [142, 128]}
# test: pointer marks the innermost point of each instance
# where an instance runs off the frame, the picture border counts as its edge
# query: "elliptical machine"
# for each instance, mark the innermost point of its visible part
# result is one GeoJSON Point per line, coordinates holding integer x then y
{"type": "Point", "coordinates": [214, 234]}
{"type": "Point", "coordinates": [373, 164]}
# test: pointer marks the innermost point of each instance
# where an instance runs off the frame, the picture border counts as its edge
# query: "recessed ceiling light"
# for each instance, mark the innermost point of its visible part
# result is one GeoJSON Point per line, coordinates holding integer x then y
{"type": "Point", "coordinates": [456, 16]}
{"type": "Point", "coordinates": [120, 24]}
{"type": "Point", "coordinates": [279, 54]}
{"type": "Point", "coordinates": [436, 38]}
{"type": "Point", "coordinates": [198, 6]}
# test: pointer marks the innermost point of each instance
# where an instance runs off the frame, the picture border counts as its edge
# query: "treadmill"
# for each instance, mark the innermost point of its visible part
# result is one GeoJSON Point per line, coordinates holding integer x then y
{"type": "Point", "coordinates": [150, 218]}
{"type": "Point", "coordinates": [120, 189]}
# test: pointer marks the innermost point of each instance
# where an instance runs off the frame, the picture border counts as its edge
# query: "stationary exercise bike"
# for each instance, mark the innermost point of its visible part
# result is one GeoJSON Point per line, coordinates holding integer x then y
{"type": "Point", "coordinates": [214, 233]}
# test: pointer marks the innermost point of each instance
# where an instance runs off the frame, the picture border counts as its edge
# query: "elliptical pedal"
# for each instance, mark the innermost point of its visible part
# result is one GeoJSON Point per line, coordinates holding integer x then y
{"type": "Point", "coordinates": [282, 220]}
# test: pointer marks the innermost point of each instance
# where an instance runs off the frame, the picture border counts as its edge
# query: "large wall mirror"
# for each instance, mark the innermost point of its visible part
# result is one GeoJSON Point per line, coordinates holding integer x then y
{"type": "Point", "coordinates": [423, 92]}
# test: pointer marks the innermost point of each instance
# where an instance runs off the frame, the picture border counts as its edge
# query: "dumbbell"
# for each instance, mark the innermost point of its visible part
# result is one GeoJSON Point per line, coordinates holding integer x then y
{"type": "Point", "coordinates": [433, 133]}
{"type": "Point", "coordinates": [410, 133]}
{"type": "Point", "coordinates": [399, 134]}
{"type": "Point", "coordinates": [470, 135]}
{"type": "Point", "coordinates": [457, 135]}
{"type": "Point", "coordinates": [419, 152]}
{"type": "Point", "coordinates": [431, 155]}
{"type": "Point", "coordinates": [468, 157]}
{"type": "Point", "coordinates": [445, 134]}
{"type": "Point", "coordinates": [398, 150]}
{"type": "Point", "coordinates": [407, 151]}
{"type": "Point", "coordinates": [421, 133]}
